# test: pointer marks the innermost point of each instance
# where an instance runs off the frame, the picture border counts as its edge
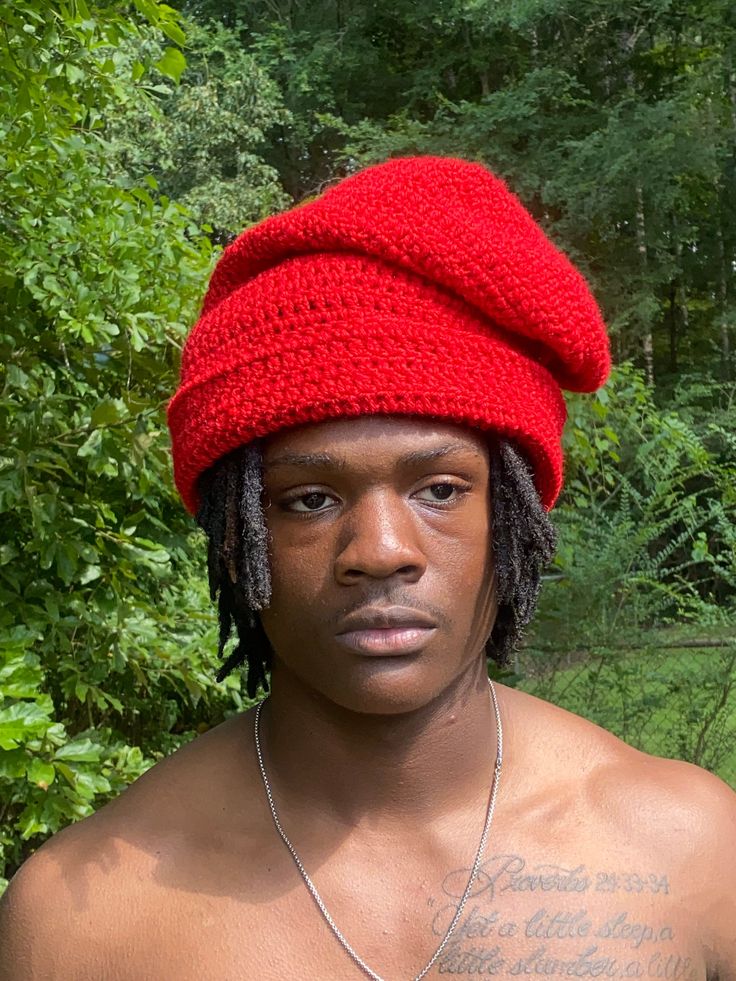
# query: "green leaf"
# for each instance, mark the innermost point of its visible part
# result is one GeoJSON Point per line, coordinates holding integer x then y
{"type": "Point", "coordinates": [105, 414]}
{"type": "Point", "coordinates": [172, 64]}
{"type": "Point", "coordinates": [79, 751]}
{"type": "Point", "coordinates": [21, 721]}
{"type": "Point", "coordinates": [68, 773]}
{"type": "Point", "coordinates": [90, 784]}
{"type": "Point", "coordinates": [32, 824]}
{"type": "Point", "coordinates": [89, 574]}
{"type": "Point", "coordinates": [13, 763]}
{"type": "Point", "coordinates": [41, 773]}
{"type": "Point", "coordinates": [20, 678]}
{"type": "Point", "coordinates": [91, 445]}
{"type": "Point", "coordinates": [172, 30]}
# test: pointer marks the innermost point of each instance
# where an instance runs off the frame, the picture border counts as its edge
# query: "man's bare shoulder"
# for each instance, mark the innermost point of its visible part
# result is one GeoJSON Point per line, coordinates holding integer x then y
{"type": "Point", "coordinates": [674, 815]}
{"type": "Point", "coordinates": [90, 890]}
{"type": "Point", "coordinates": [630, 790]}
{"type": "Point", "coordinates": [57, 919]}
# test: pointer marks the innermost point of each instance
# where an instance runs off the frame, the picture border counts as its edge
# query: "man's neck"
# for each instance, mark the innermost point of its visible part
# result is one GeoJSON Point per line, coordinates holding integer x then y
{"type": "Point", "coordinates": [421, 764]}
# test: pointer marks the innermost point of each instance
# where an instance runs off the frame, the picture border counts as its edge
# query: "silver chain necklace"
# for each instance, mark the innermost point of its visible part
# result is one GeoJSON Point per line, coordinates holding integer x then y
{"type": "Point", "coordinates": [473, 873]}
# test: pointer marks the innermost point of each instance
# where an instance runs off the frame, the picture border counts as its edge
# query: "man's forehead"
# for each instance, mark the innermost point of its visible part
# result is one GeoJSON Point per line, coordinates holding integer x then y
{"type": "Point", "coordinates": [408, 439]}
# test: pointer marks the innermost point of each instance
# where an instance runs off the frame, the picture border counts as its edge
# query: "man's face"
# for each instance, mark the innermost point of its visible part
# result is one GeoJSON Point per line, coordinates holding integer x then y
{"type": "Point", "coordinates": [382, 578]}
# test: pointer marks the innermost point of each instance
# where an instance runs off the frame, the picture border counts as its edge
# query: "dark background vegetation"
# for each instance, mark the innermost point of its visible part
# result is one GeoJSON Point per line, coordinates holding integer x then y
{"type": "Point", "coordinates": [137, 139]}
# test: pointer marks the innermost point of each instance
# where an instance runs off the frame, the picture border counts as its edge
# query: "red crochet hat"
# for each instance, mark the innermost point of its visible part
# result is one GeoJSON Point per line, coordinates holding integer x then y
{"type": "Point", "coordinates": [420, 286]}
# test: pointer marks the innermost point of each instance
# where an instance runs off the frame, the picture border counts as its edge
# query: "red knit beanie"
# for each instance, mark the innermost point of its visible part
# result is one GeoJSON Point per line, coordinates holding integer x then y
{"type": "Point", "coordinates": [418, 287]}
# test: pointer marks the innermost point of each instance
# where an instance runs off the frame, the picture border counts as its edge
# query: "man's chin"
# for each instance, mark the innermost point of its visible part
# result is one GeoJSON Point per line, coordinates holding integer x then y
{"type": "Point", "coordinates": [387, 686]}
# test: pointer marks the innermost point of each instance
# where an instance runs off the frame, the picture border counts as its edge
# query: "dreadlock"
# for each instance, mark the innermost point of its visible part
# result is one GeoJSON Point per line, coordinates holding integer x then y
{"type": "Point", "coordinates": [232, 517]}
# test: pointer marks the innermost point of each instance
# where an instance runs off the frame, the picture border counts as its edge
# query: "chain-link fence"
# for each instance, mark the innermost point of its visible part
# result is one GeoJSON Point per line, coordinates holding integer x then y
{"type": "Point", "coordinates": [674, 701]}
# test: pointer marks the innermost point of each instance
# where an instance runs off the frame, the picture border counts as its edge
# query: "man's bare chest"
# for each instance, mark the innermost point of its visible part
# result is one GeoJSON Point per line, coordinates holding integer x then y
{"type": "Point", "coordinates": [528, 916]}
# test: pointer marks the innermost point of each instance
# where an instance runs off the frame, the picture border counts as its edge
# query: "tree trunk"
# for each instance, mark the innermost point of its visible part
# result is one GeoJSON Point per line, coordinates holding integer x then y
{"type": "Point", "coordinates": [726, 261]}
{"type": "Point", "coordinates": [723, 303]}
{"type": "Point", "coordinates": [679, 320]}
{"type": "Point", "coordinates": [672, 319]}
{"type": "Point", "coordinates": [627, 40]}
{"type": "Point", "coordinates": [641, 244]}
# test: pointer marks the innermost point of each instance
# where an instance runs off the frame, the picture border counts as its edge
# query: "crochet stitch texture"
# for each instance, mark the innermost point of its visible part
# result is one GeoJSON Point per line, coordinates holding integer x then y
{"type": "Point", "coordinates": [420, 286]}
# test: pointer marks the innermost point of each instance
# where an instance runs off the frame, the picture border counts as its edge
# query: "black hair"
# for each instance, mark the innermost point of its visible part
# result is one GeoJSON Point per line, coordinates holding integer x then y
{"type": "Point", "coordinates": [232, 516]}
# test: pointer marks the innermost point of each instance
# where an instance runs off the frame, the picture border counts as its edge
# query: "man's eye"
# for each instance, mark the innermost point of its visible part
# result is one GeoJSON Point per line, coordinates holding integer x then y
{"type": "Point", "coordinates": [307, 503]}
{"type": "Point", "coordinates": [443, 492]}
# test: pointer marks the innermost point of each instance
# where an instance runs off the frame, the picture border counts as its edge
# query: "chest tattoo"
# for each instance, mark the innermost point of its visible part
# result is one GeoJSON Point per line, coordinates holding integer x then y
{"type": "Point", "coordinates": [532, 920]}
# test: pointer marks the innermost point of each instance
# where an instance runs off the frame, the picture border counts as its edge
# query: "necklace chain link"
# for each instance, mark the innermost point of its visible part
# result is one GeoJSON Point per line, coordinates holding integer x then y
{"type": "Point", "coordinates": [473, 872]}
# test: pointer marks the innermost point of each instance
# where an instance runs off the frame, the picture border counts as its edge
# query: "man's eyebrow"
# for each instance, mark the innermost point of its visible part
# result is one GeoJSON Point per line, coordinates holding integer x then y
{"type": "Point", "coordinates": [436, 453]}
{"type": "Point", "coordinates": [290, 459]}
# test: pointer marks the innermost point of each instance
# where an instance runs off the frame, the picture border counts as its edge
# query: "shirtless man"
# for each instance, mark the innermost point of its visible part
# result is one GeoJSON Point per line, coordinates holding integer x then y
{"type": "Point", "coordinates": [368, 430]}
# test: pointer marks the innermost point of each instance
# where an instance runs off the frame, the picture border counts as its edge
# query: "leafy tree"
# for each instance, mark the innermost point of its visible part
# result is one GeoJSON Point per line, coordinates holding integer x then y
{"type": "Point", "coordinates": [202, 146]}
{"type": "Point", "coordinates": [613, 121]}
{"type": "Point", "coordinates": [103, 665]}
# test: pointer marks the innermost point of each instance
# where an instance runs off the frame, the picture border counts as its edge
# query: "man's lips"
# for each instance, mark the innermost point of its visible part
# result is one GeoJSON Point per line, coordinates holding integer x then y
{"type": "Point", "coordinates": [386, 630]}
{"type": "Point", "coordinates": [386, 640]}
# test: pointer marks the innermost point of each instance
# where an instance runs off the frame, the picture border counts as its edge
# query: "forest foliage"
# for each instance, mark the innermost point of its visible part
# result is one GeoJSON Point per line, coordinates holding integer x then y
{"type": "Point", "coordinates": [137, 139]}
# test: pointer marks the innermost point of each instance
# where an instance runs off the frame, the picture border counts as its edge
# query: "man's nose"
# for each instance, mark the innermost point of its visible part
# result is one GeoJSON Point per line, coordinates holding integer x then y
{"type": "Point", "coordinates": [379, 539]}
